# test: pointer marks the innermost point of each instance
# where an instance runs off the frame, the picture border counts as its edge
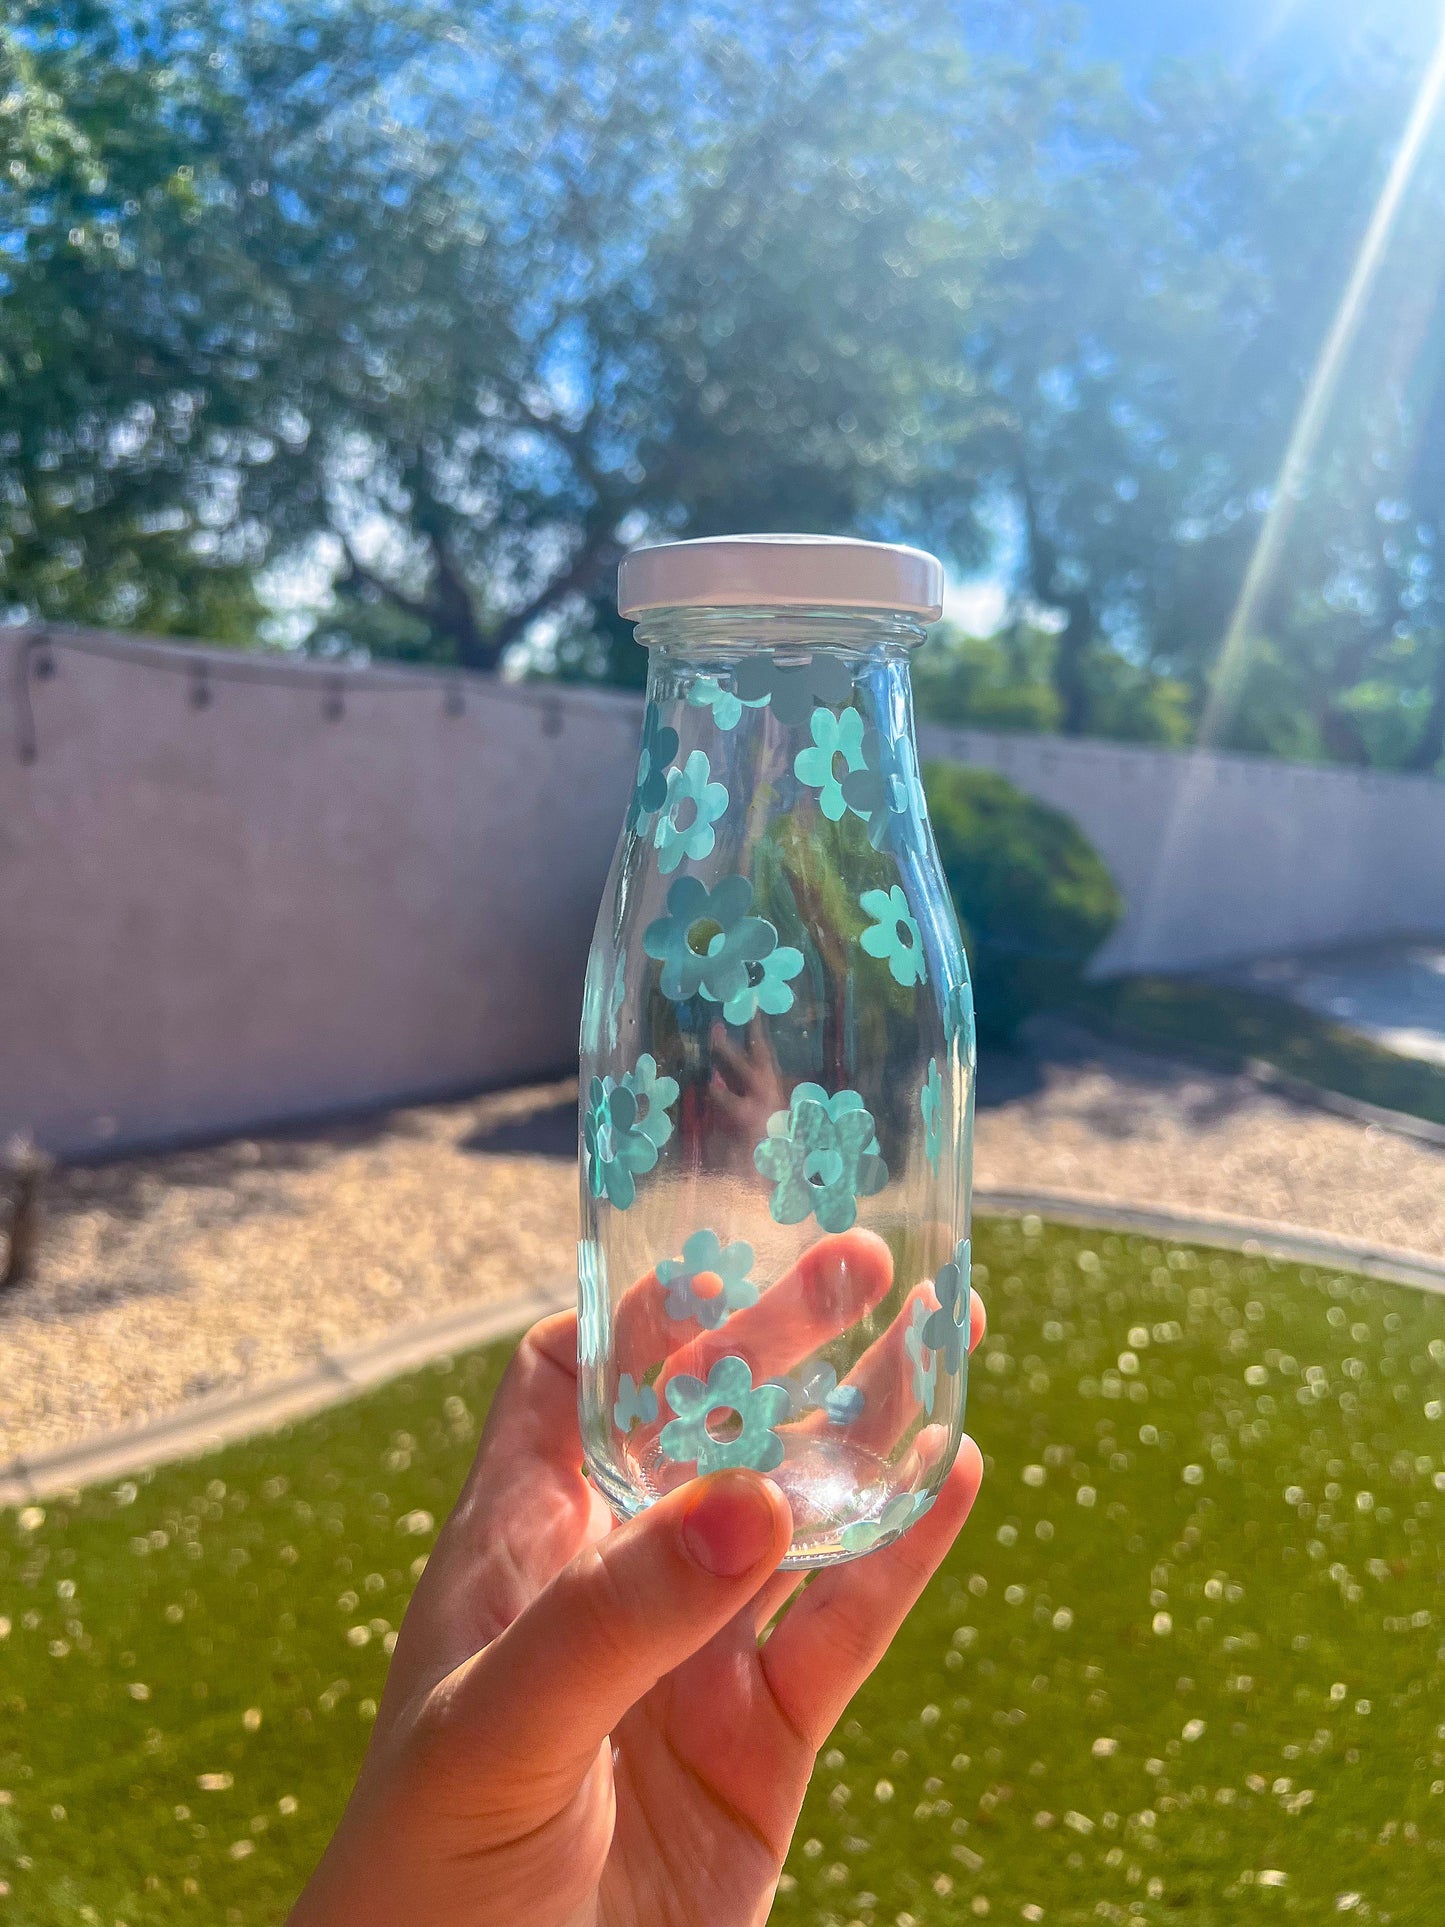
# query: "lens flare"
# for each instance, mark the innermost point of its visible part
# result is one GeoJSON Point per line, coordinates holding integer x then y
{"type": "Point", "coordinates": [1227, 681]}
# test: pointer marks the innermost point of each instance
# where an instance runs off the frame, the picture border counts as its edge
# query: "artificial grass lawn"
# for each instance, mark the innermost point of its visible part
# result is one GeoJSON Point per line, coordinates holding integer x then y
{"type": "Point", "coordinates": [1184, 1666]}
{"type": "Point", "coordinates": [1239, 1025]}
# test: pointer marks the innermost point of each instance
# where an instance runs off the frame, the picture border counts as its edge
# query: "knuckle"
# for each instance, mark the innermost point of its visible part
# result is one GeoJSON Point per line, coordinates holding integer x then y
{"type": "Point", "coordinates": [605, 1610]}
{"type": "Point", "coordinates": [854, 1642]}
{"type": "Point", "coordinates": [437, 1739]}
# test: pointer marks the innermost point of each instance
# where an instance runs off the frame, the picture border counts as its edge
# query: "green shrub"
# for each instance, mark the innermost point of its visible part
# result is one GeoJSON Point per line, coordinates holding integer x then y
{"type": "Point", "coordinates": [1033, 896]}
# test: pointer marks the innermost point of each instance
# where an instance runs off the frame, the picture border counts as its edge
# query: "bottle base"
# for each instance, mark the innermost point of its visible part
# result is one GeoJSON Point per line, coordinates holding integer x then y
{"type": "Point", "coordinates": [837, 1494]}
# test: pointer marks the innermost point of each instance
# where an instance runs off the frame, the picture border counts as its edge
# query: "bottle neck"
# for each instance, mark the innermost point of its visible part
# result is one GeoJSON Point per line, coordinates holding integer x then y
{"type": "Point", "coordinates": [765, 697]}
{"type": "Point", "coordinates": [803, 708]}
{"type": "Point", "coordinates": [737, 632]}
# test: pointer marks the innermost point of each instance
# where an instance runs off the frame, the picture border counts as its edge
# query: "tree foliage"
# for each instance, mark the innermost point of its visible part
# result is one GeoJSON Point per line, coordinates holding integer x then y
{"type": "Point", "coordinates": [1033, 896]}
{"type": "Point", "coordinates": [444, 306]}
{"type": "Point", "coordinates": [1168, 315]}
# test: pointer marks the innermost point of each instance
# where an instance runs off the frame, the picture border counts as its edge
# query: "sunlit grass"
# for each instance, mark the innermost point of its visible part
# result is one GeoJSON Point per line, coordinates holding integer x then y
{"type": "Point", "coordinates": [1186, 1665]}
{"type": "Point", "coordinates": [192, 1660]}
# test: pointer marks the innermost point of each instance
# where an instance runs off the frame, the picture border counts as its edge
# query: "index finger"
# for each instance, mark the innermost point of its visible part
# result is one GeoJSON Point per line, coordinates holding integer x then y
{"type": "Point", "coordinates": [834, 1283]}
{"type": "Point", "coordinates": [524, 1511]}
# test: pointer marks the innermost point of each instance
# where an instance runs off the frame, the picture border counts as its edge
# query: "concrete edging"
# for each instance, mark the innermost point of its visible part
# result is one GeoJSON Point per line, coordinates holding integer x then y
{"type": "Point", "coordinates": [222, 1418]}
{"type": "Point", "coordinates": [1254, 1236]}
{"type": "Point", "coordinates": [218, 1419]}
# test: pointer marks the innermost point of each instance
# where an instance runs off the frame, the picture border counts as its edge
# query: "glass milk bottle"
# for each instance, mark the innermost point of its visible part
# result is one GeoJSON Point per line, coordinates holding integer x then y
{"type": "Point", "coordinates": [777, 1054]}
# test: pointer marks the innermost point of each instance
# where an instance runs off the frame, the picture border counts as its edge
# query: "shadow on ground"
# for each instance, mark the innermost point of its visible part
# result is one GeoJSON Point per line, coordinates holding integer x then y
{"type": "Point", "coordinates": [1121, 1087]}
{"type": "Point", "coordinates": [547, 1133]}
{"type": "Point", "coordinates": [229, 1177]}
{"type": "Point", "coordinates": [222, 1171]}
{"type": "Point", "coordinates": [1121, 1090]}
{"type": "Point", "coordinates": [1116, 1091]}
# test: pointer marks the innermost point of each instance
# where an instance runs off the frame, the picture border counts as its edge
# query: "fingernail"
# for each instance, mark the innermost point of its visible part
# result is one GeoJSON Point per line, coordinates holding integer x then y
{"type": "Point", "coordinates": [728, 1528]}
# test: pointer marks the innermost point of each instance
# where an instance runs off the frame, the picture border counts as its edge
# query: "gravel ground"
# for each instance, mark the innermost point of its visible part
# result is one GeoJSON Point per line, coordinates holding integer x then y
{"type": "Point", "coordinates": [163, 1277]}
{"type": "Point", "coordinates": [1112, 1123]}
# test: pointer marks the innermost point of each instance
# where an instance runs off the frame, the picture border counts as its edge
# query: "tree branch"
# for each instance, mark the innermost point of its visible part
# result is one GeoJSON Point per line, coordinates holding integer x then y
{"type": "Point", "coordinates": [1069, 678]}
{"type": "Point", "coordinates": [455, 612]}
{"type": "Point", "coordinates": [575, 442]}
{"type": "Point", "coordinates": [357, 571]}
{"type": "Point", "coordinates": [599, 551]}
{"type": "Point", "coordinates": [451, 608]}
{"type": "Point", "coordinates": [1042, 560]}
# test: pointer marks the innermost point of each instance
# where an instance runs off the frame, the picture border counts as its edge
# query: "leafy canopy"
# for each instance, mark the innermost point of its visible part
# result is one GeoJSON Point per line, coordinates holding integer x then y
{"type": "Point", "coordinates": [437, 308]}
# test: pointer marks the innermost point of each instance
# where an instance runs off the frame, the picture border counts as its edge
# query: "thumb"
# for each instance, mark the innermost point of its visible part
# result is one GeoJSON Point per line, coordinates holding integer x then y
{"type": "Point", "coordinates": [544, 1695]}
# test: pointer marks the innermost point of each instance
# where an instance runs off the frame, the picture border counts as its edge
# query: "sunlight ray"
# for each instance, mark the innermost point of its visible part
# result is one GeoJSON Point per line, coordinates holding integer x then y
{"type": "Point", "coordinates": [1227, 681]}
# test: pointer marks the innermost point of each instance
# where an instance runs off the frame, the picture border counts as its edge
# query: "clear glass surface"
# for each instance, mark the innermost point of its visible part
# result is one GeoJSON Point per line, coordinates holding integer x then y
{"type": "Point", "coordinates": [777, 1089]}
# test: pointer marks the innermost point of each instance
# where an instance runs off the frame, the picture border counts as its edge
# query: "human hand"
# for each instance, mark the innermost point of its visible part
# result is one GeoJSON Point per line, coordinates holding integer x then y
{"type": "Point", "coordinates": [744, 1090]}
{"type": "Point", "coordinates": [581, 1727]}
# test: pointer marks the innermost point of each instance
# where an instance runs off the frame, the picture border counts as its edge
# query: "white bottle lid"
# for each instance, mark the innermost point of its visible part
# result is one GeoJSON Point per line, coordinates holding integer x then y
{"type": "Point", "coordinates": [781, 571]}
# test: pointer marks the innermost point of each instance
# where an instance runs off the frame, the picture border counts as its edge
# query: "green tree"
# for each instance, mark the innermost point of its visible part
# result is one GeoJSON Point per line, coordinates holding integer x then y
{"type": "Point", "coordinates": [147, 439]}
{"type": "Point", "coordinates": [751, 271]}
{"type": "Point", "coordinates": [450, 305]}
{"type": "Point", "coordinates": [1034, 898]}
{"type": "Point", "coordinates": [1154, 347]}
{"type": "Point", "coordinates": [462, 303]}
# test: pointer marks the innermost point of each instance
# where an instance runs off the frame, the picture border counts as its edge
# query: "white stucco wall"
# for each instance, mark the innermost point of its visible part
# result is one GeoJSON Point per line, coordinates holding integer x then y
{"type": "Point", "coordinates": [256, 909]}
{"type": "Point", "coordinates": [1221, 856]}
{"type": "Point", "coordinates": [251, 910]}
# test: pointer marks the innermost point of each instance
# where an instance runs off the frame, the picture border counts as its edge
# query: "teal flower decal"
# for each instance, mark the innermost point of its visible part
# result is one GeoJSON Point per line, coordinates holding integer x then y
{"type": "Point", "coordinates": [708, 939]}
{"type": "Point", "coordinates": [729, 1390]}
{"type": "Point", "coordinates": [591, 1301]}
{"type": "Point", "coordinates": [844, 1404]}
{"type": "Point", "coordinates": [895, 936]}
{"type": "Point", "coordinates": [624, 1127]}
{"type": "Point", "coordinates": [931, 1101]}
{"type": "Point", "coordinates": [655, 1097]}
{"type": "Point", "coordinates": [834, 737]}
{"type": "Point", "coordinates": [727, 709]}
{"type": "Point", "coordinates": [601, 1137]}
{"type": "Point", "coordinates": [769, 984]}
{"type": "Point", "coordinates": [945, 1328]}
{"type": "Point", "coordinates": [815, 1388]}
{"type": "Point", "coordinates": [885, 785]}
{"type": "Point", "coordinates": [925, 1377]}
{"type": "Point", "coordinates": [892, 1522]}
{"type": "Point", "coordinates": [796, 689]}
{"type": "Point", "coordinates": [636, 1404]}
{"type": "Point", "coordinates": [692, 806]}
{"type": "Point", "coordinates": [822, 1156]}
{"type": "Point", "coordinates": [958, 1019]}
{"type": "Point", "coordinates": [659, 746]}
{"type": "Point", "coordinates": [704, 1253]}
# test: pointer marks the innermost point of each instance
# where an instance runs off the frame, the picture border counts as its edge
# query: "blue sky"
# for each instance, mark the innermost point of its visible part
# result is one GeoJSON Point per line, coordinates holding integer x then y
{"type": "Point", "coordinates": [1298, 34]}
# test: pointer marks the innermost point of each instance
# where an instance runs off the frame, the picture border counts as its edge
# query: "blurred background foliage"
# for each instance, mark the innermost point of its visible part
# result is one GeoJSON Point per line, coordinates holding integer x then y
{"type": "Point", "coordinates": [1034, 898]}
{"type": "Point", "coordinates": [383, 326]}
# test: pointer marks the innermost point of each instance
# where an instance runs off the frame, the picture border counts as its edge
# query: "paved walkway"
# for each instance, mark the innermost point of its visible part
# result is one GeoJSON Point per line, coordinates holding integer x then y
{"type": "Point", "coordinates": [167, 1277]}
{"type": "Point", "coordinates": [1391, 992]}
